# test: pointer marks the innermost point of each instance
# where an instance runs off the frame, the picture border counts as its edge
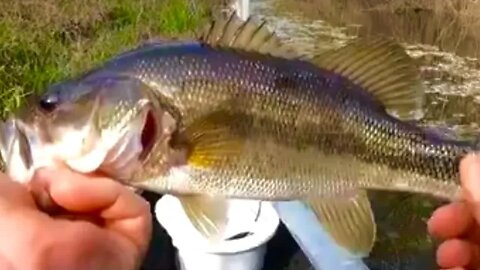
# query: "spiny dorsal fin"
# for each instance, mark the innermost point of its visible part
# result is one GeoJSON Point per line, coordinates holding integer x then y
{"type": "Point", "coordinates": [229, 31]}
{"type": "Point", "coordinates": [383, 68]}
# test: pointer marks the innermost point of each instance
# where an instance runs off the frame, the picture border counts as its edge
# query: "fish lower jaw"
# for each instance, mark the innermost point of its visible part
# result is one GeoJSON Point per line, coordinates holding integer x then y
{"type": "Point", "coordinates": [114, 155]}
{"type": "Point", "coordinates": [123, 159]}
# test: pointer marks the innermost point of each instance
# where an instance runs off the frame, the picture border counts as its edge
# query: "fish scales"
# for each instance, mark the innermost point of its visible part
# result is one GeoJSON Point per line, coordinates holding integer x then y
{"type": "Point", "coordinates": [313, 117]}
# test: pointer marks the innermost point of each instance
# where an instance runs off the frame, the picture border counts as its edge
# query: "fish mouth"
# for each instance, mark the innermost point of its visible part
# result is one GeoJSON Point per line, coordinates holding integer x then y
{"type": "Point", "coordinates": [148, 134]}
{"type": "Point", "coordinates": [157, 133]}
{"type": "Point", "coordinates": [17, 141]}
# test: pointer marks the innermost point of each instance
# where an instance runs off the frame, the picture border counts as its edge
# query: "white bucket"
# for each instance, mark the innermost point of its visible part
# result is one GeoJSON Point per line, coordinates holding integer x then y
{"type": "Point", "coordinates": [196, 252]}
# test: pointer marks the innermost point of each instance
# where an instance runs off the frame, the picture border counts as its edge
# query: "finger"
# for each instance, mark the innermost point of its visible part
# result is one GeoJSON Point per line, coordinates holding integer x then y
{"type": "Point", "coordinates": [451, 220]}
{"type": "Point", "coordinates": [457, 253]}
{"type": "Point", "coordinates": [123, 210]}
{"type": "Point", "coordinates": [454, 253]}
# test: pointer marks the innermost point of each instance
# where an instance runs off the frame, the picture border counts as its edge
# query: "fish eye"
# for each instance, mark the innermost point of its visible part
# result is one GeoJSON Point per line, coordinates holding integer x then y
{"type": "Point", "coordinates": [48, 103]}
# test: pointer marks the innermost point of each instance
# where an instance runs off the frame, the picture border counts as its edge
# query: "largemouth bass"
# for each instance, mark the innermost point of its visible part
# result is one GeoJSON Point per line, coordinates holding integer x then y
{"type": "Point", "coordinates": [236, 114]}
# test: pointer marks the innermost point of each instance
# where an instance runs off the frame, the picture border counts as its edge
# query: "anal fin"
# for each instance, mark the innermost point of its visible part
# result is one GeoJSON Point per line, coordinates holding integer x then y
{"type": "Point", "coordinates": [207, 214]}
{"type": "Point", "coordinates": [349, 221]}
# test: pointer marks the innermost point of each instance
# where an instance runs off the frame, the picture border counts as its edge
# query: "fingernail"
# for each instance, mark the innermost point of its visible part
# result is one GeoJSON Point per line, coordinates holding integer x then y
{"type": "Point", "coordinates": [45, 202]}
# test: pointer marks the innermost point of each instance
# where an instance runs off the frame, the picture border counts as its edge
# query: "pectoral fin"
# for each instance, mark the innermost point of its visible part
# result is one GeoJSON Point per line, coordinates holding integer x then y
{"type": "Point", "coordinates": [207, 214]}
{"type": "Point", "coordinates": [349, 221]}
{"type": "Point", "coordinates": [213, 140]}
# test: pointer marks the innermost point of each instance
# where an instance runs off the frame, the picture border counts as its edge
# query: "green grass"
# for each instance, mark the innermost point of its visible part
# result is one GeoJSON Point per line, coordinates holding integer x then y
{"type": "Point", "coordinates": [42, 41]}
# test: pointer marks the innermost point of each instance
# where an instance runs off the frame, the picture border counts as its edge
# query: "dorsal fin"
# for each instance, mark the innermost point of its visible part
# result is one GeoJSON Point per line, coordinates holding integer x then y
{"type": "Point", "coordinates": [381, 67]}
{"type": "Point", "coordinates": [229, 31]}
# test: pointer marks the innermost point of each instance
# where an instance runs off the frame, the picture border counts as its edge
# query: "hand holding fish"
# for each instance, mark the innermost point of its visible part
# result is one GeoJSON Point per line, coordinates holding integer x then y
{"type": "Point", "coordinates": [458, 223]}
{"type": "Point", "coordinates": [117, 240]}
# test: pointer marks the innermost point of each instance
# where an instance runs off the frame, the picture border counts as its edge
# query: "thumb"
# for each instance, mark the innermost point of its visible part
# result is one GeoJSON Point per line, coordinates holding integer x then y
{"type": "Point", "coordinates": [123, 211]}
{"type": "Point", "coordinates": [78, 192]}
{"type": "Point", "coordinates": [470, 181]}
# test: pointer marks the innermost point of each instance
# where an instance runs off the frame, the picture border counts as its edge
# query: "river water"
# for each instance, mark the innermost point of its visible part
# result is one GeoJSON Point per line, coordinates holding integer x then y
{"type": "Point", "coordinates": [442, 37]}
